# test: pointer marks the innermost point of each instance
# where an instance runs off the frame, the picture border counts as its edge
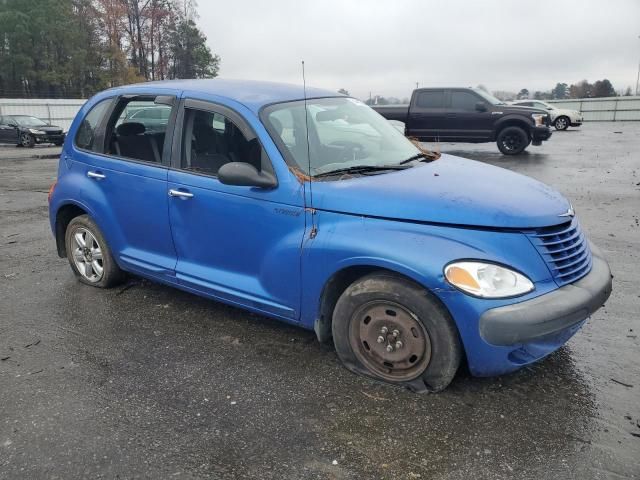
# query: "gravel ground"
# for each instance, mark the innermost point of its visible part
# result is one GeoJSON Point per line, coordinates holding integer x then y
{"type": "Point", "coordinates": [145, 381]}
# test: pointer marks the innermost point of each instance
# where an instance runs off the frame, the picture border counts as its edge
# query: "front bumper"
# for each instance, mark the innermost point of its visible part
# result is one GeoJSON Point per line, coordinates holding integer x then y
{"type": "Point", "coordinates": [549, 315]}
{"type": "Point", "coordinates": [540, 134]}
{"type": "Point", "coordinates": [49, 138]}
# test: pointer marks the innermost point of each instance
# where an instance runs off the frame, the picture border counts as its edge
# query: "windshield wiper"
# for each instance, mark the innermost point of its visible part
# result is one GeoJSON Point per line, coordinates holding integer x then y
{"type": "Point", "coordinates": [360, 169]}
{"type": "Point", "coordinates": [417, 156]}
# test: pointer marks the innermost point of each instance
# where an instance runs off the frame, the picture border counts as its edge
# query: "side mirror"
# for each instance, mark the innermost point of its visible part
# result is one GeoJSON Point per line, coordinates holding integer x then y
{"type": "Point", "coordinates": [481, 107]}
{"type": "Point", "coordinates": [244, 174]}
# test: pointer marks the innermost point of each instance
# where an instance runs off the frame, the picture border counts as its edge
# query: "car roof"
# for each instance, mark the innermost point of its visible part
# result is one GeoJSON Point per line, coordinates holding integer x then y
{"type": "Point", "coordinates": [251, 93]}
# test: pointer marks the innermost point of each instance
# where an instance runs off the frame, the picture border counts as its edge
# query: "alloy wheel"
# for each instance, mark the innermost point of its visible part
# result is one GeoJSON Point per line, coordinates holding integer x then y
{"type": "Point", "coordinates": [390, 341]}
{"type": "Point", "coordinates": [25, 140]}
{"type": "Point", "coordinates": [512, 142]}
{"type": "Point", "coordinates": [87, 255]}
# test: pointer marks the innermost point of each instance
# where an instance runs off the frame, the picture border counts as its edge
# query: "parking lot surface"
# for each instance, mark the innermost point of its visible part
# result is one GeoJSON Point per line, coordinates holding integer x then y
{"type": "Point", "coordinates": [145, 381]}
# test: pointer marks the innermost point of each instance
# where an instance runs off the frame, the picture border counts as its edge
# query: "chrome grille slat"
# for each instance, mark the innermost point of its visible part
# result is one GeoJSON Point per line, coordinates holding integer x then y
{"type": "Point", "coordinates": [565, 250]}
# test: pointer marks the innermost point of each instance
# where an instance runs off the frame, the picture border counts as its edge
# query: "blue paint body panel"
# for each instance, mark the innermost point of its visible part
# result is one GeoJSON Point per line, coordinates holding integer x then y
{"type": "Point", "coordinates": [252, 247]}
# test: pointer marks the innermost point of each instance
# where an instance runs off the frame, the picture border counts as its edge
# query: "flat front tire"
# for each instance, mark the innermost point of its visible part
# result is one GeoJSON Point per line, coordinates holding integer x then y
{"type": "Point", "coordinates": [389, 328]}
{"type": "Point", "coordinates": [89, 254]}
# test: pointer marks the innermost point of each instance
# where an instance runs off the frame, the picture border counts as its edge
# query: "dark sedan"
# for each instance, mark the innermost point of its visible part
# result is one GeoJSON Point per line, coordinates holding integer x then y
{"type": "Point", "coordinates": [27, 131]}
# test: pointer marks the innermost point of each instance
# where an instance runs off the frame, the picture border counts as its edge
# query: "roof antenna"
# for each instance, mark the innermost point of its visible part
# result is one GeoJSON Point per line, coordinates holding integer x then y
{"type": "Point", "coordinates": [314, 228]}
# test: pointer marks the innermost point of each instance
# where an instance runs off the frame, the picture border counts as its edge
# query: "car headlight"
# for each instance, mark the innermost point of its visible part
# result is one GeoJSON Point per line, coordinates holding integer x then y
{"type": "Point", "coordinates": [487, 280]}
{"type": "Point", "coordinates": [37, 132]}
{"type": "Point", "coordinates": [538, 119]}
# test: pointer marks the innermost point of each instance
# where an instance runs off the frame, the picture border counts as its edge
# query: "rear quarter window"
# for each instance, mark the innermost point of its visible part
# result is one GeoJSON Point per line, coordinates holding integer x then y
{"type": "Point", "coordinates": [86, 138]}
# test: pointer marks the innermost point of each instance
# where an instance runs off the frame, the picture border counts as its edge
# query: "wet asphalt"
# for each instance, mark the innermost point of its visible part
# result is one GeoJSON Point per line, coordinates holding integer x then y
{"type": "Point", "coordinates": [145, 381]}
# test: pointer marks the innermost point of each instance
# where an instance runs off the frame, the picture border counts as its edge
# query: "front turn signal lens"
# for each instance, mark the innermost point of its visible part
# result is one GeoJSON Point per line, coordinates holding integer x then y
{"type": "Point", "coordinates": [487, 280]}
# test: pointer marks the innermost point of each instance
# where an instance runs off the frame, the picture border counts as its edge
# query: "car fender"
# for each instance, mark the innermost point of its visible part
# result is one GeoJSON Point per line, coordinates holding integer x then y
{"type": "Point", "coordinates": [414, 250]}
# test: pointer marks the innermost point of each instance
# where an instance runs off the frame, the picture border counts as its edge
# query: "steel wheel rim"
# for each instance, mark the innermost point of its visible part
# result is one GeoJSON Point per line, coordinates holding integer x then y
{"type": "Point", "coordinates": [26, 140]}
{"type": "Point", "coordinates": [511, 142]}
{"type": "Point", "coordinates": [87, 255]}
{"type": "Point", "coordinates": [390, 340]}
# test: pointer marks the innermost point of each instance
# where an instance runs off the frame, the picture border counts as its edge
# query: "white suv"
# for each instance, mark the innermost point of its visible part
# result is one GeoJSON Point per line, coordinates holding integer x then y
{"type": "Point", "coordinates": [560, 118]}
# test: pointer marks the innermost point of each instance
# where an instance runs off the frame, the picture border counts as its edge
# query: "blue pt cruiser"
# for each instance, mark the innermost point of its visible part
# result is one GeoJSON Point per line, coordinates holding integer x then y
{"type": "Point", "coordinates": [312, 209]}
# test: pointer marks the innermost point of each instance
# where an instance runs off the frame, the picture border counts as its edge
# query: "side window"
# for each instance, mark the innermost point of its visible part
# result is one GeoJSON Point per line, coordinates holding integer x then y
{"type": "Point", "coordinates": [211, 140]}
{"type": "Point", "coordinates": [137, 129]}
{"type": "Point", "coordinates": [433, 99]}
{"type": "Point", "coordinates": [464, 101]}
{"type": "Point", "coordinates": [86, 136]}
{"type": "Point", "coordinates": [525, 104]}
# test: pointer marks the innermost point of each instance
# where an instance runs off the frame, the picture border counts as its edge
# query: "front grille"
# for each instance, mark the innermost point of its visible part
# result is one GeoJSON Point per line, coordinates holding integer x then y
{"type": "Point", "coordinates": [565, 250]}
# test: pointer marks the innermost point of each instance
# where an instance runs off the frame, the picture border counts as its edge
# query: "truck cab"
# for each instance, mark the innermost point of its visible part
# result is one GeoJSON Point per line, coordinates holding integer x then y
{"type": "Point", "coordinates": [469, 115]}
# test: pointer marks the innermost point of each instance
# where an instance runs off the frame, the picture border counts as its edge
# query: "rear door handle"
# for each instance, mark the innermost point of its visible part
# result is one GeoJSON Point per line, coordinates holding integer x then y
{"type": "Point", "coordinates": [180, 193]}
{"type": "Point", "coordinates": [96, 175]}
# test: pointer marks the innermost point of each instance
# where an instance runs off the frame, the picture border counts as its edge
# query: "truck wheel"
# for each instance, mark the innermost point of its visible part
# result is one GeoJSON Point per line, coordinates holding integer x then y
{"type": "Point", "coordinates": [89, 255]}
{"type": "Point", "coordinates": [561, 123]}
{"type": "Point", "coordinates": [391, 329]}
{"type": "Point", "coordinates": [512, 140]}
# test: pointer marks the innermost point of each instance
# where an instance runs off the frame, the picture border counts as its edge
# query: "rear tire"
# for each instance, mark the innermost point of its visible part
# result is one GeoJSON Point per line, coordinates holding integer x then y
{"type": "Point", "coordinates": [89, 254]}
{"type": "Point", "coordinates": [512, 140]}
{"type": "Point", "coordinates": [390, 329]}
{"type": "Point", "coordinates": [562, 123]}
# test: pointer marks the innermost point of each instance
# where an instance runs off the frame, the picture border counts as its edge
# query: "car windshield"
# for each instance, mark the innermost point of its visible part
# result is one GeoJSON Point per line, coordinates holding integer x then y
{"type": "Point", "coordinates": [343, 133]}
{"type": "Point", "coordinates": [488, 97]}
{"type": "Point", "coordinates": [27, 121]}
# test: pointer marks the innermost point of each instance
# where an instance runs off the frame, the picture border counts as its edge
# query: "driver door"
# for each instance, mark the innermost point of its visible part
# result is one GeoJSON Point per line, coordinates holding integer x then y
{"type": "Point", "coordinates": [237, 244]}
{"type": "Point", "coordinates": [464, 120]}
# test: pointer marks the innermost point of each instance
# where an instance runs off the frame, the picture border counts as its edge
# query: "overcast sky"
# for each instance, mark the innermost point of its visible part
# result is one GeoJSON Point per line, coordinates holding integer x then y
{"type": "Point", "coordinates": [384, 47]}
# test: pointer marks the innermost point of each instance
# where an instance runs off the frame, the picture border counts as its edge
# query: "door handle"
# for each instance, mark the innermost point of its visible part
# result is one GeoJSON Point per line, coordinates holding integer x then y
{"type": "Point", "coordinates": [179, 193]}
{"type": "Point", "coordinates": [96, 175]}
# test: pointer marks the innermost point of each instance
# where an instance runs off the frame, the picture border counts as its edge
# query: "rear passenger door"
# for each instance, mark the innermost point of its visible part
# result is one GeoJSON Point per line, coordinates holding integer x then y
{"type": "Point", "coordinates": [427, 114]}
{"type": "Point", "coordinates": [236, 244]}
{"type": "Point", "coordinates": [464, 121]}
{"type": "Point", "coordinates": [125, 167]}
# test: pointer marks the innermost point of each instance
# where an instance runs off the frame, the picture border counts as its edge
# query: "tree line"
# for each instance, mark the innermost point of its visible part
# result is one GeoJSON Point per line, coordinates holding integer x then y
{"type": "Point", "coordinates": [75, 48]}
{"type": "Point", "coordinates": [582, 89]}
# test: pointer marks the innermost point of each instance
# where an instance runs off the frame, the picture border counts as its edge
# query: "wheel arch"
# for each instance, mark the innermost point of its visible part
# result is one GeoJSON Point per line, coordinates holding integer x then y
{"type": "Point", "coordinates": [511, 122]}
{"type": "Point", "coordinates": [64, 215]}
{"type": "Point", "coordinates": [338, 282]}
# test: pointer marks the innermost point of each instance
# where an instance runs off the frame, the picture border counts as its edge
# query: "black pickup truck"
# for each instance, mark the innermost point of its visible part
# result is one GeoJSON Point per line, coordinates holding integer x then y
{"type": "Point", "coordinates": [469, 115]}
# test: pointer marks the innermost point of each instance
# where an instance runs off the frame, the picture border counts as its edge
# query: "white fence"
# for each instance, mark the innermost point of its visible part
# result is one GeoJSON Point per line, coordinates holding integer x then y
{"type": "Point", "coordinates": [55, 111]}
{"type": "Point", "coordinates": [610, 109]}
{"type": "Point", "coordinates": [61, 111]}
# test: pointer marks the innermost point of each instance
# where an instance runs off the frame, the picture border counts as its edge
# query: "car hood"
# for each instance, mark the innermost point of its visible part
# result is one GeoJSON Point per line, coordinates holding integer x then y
{"type": "Point", "coordinates": [451, 190]}
{"type": "Point", "coordinates": [520, 109]}
{"type": "Point", "coordinates": [49, 128]}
